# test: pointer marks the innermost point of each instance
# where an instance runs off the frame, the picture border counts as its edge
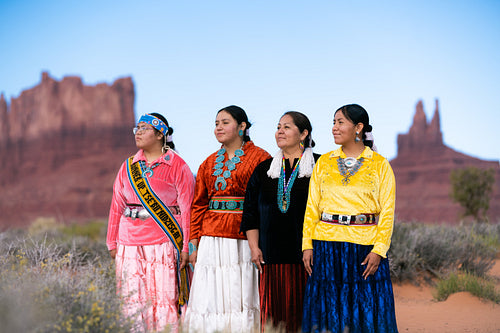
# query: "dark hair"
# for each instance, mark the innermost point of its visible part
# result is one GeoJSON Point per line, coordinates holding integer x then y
{"type": "Point", "coordinates": [169, 132]}
{"type": "Point", "coordinates": [357, 114]}
{"type": "Point", "coordinates": [240, 116]}
{"type": "Point", "coordinates": [302, 122]}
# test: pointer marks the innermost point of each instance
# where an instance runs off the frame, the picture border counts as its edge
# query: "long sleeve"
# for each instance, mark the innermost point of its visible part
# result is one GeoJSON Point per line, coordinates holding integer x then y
{"type": "Point", "coordinates": [313, 213]}
{"type": "Point", "coordinates": [172, 181]}
{"type": "Point", "coordinates": [251, 216]}
{"type": "Point", "coordinates": [116, 210]}
{"type": "Point", "coordinates": [184, 183]}
{"type": "Point", "coordinates": [210, 222]}
{"type": "Point", "coordinates": [387, 198]}
{"type": "Point", "coordinates": [200, 202]}
{"type": "Point", "coordinates": [371, 190]}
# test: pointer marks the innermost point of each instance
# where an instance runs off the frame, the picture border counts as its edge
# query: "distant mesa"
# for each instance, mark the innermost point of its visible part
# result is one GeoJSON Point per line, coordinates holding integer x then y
{"type": "Point", "coordinates": [61, 144]}
{"type": "Point", "coordinates": [422, 169]}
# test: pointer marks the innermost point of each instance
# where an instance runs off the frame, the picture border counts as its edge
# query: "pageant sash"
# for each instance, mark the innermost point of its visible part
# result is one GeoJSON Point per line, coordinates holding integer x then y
{"type": "Point", "coordinates": [163, 217]}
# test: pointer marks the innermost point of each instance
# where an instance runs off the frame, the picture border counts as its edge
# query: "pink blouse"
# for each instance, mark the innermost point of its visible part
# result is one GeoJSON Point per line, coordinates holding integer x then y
{"type": "Point", "coordinates": [172, 181]}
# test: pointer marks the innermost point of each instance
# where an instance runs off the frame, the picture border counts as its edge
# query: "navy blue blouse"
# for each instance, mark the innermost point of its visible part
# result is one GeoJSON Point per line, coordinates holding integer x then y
{"type": "Point", "coordinates": [280, 234]}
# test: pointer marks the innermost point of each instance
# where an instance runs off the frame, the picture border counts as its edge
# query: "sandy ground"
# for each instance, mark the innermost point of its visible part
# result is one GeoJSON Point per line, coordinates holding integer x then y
{"type": "Point", "coordinates": [417, 311]}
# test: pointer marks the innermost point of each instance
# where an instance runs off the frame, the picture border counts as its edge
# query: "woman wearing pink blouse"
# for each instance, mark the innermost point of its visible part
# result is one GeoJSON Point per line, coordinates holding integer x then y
{"type": "Point", "coordinates": [148, 259]}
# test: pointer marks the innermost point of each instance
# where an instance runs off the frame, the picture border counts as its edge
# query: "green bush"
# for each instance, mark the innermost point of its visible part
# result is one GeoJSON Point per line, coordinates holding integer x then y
{"type": "Point", "coordinates": [477, 286]}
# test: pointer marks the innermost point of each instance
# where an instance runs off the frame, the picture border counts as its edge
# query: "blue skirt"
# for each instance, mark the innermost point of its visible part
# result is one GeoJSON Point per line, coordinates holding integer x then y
{"type": "Point", "coordinates": [338, 298]}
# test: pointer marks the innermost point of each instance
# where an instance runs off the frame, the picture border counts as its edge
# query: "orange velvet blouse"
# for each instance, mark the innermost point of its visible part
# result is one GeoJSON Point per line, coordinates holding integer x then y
{"type": "Point", "coordinates": [205, 222]}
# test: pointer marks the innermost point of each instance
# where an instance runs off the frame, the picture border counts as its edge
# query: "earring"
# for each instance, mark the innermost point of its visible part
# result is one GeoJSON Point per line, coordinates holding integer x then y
{"type": "Point", "coordinates": [356, 139]}
{"type": "Point", "coordinates": [301, 145]}
{"type": "Point", "coordinates": [240, 132]}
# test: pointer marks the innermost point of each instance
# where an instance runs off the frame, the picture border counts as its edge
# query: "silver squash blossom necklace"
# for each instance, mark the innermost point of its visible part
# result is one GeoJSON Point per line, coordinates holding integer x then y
{"type": "Point", "coordinates": [348, 167]}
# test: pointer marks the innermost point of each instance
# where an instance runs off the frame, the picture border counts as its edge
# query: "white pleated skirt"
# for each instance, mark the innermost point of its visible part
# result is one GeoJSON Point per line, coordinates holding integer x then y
{"type": "Point", "coordinates": [224, 293]}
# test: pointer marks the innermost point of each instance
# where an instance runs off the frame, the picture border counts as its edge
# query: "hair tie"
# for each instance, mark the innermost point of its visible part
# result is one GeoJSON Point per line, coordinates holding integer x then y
{"type": "Point", "coordinates": [369, 137]}
{"type": "Point", "coordinates": [169, 138]}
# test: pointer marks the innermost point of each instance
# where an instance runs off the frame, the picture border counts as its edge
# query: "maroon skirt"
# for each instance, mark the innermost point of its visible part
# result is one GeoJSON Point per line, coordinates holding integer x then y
{"type": "Point", "coordinates": [281, 289]}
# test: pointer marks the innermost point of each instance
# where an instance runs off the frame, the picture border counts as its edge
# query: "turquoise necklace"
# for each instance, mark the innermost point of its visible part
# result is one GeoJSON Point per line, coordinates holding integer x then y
{"type": "Point", "coordinates": [147, 171]}
{"type": "Point", "coordinates": [285, 187]}
{"type": "Point", "coordinates": [230, 164]}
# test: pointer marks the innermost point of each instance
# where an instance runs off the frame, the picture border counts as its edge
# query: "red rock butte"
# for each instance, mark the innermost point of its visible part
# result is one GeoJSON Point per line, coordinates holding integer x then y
{"type": "Point", "coordinates": [61, 144]}
{"type": "Point", "coordinates": [422, 169]}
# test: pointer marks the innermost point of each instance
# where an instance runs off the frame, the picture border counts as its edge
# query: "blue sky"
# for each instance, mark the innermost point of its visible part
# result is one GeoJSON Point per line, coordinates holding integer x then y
{"type": "Point", "coordinates": [189, 59]}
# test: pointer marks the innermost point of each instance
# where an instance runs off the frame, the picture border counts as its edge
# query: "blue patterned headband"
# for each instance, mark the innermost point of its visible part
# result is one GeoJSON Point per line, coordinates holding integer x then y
{"type": "Point", "coordinates": [155, 122]}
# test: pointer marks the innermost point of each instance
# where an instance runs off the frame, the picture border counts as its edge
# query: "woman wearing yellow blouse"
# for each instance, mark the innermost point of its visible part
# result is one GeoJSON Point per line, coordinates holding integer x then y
{"type": "Point", "coordinates": [347, 232]}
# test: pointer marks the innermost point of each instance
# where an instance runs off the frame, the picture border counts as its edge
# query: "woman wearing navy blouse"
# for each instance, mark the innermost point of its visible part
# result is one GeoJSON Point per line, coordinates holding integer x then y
{"type": "Point", "coordinates": [273, 216]}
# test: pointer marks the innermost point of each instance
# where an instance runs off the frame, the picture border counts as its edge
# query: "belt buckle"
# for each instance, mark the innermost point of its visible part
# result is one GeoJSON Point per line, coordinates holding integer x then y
{"type": "Point", "coordinates": [345, 219]}
{"type": "Point", "coordinates": [326, 217]}
{"type": "Point", "coordinates": [361, 219]}
{"type": "Point", "coordinates": [143, 215]}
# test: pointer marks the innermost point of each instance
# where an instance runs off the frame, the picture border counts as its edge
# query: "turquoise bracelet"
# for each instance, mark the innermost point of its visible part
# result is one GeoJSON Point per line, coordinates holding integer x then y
{"type": "Point", "coordinates": [192, 248]}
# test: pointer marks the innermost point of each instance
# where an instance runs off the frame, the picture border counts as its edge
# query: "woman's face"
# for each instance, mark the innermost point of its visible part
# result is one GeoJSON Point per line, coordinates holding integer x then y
{"type": "Point", "coordinates": [146, 137]}
{"type": "Point", "coordinates": [226, 128]}
{"type": "Point", "coordinates": [343, 129]}
{"type": "Point", "coordinates": [288, 135]}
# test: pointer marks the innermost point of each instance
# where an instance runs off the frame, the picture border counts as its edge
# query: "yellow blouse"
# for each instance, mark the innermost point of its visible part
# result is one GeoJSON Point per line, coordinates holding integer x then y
{"type": "Point", "coordinates": [371, 190]}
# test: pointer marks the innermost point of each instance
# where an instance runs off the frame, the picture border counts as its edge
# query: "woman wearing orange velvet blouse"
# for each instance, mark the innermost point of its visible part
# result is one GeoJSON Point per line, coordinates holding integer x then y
{"type": "Point", "coordinates": [224, 293]}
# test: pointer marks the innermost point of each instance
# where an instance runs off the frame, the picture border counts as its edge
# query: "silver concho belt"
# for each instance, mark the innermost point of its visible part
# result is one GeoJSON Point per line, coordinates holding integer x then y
{"type": "Point", "coordinates": [143, 214]}
{"type": "Point", "coordinates": [366, 219]}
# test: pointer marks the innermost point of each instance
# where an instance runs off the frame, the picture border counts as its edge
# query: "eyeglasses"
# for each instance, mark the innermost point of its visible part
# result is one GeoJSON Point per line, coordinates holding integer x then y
{"type": "Point", "coordinates": [141, 129]}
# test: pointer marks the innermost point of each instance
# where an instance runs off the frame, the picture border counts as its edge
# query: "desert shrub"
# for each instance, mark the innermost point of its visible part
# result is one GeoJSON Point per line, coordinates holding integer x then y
{"type": "Point", "coordinates": [47, 286]}
{"type": "Point", "coordinates": [94, 230]}
{"type": "Point", "coordinates": [419, 249]}
{"type": "Point", "coordinates": [477, 286]}
{"type": "Point", "coordinates": [471, 187]}
{"type": "Point", "coordinates": [404, 261]}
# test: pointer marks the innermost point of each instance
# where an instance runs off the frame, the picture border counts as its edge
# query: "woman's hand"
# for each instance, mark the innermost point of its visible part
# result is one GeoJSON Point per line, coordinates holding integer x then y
{"type": "Point", "coordinates": [112, 253]}
{"type": "Point", "coordinates": [307, 257]}
{"type": "Point", "coordinates": [256, 252]}
{"type": "Point", "coordinates": [371, 261]}
{"type": "Point", "coordinates": [257, 258]}
{"type": "Point", "coordinates": [184, 259]}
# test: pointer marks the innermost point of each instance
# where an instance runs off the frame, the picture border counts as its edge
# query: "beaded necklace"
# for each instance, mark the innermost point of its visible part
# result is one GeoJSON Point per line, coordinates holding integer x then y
{"type": "Point", "coordinates": [348, 167]}
{"type": "Point", "coordinates": [285, 187]}
{"type": "Point", "coordinates": [230, 164]}
{"type": "Point", "coordinates": [147, 171]}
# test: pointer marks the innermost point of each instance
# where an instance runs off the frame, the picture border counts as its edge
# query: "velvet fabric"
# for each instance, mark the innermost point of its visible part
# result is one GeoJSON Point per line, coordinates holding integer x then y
{"type": "Point", "coordinates": [205, 222]}
{"type": "Point", "coordinates": [371, 190]}
{"type": "Point", "coordinates": [280, 234]}
{"type": "Point", "coordinates": [173, 183]}
{"type": "Point", "coordinates": [338, 298]}
{"type": "Point", "coordinates": [281, 289]}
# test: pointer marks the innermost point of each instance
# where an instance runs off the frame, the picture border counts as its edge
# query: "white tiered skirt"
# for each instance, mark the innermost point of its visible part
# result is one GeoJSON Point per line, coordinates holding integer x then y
{"type": "Point", "coordinates": [224, 293]}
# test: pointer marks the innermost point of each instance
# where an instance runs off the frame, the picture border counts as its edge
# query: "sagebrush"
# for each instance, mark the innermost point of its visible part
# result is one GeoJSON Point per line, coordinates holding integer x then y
{"type": "Point", "coordinates": [56, 278]}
